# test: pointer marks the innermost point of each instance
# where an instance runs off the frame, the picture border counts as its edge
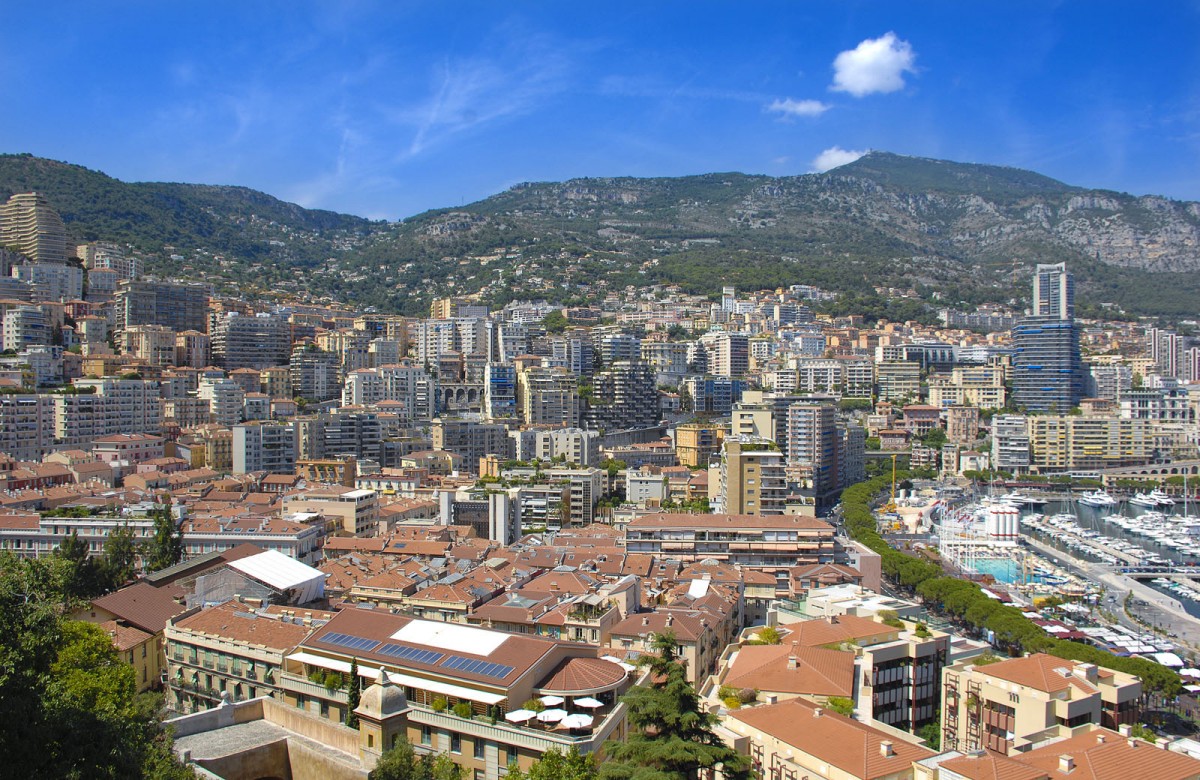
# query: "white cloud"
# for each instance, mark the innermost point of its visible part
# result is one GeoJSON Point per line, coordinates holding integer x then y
{"type": "Point", "coordinates": [834, 157]}
{"type": "Point", "coordinates": [792, 108]}
{"type": "Point", "coordinates": [875, 65]}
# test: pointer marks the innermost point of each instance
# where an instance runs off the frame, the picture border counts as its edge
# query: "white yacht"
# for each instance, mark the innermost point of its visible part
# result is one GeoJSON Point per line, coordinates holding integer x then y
{"type": "Point", "coordinates": [1144, 500]}
{"type": "Point", "coordinates": [1097, 498]}
{"type": "Point", "coordinates": [1017, 498]}
{"type": "Point", "coordinates": [1161, 498]}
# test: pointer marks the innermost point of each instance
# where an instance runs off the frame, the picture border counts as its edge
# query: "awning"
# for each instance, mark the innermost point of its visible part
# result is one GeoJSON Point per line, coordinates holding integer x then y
{"type": "Point", "coordinates": [399, 678]}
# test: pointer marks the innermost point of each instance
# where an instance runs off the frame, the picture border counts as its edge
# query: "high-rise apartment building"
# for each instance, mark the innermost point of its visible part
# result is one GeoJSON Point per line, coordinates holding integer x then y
{"type": "Point", "coordinates": [24, 327]}
{"type": "Point", "coordinates": [30, 226]}
{"type": "Point", "coordinates": [549, 396]}
{"type": "Point", "coordinates": [623, 396]}
{"type": "Point", "coordinates": [1053, 292]}
{"type": "Point", "coordinates": [500, 392]}
{"type": "Point", "coordinates": [269, 447]}
{"type": "Point", "coordinates": [180, 307]}
{"type": "Point", "coordinates": [154, 344]}
{"type": "Point", "coordinates": [258, 341]}
{"type": "Point", "coordinates": [1047, 372]}
{"type": "Point", "coordinates": [750, 478]}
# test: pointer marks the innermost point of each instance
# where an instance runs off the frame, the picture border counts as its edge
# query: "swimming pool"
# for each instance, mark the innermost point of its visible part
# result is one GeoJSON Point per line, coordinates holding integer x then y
{"type": "Point", "coordinates": [1004, 570]}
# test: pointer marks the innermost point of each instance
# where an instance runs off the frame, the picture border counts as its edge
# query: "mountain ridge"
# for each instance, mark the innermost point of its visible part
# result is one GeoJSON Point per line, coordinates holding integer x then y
{"type": "Point", "coordinates": [966, 231]}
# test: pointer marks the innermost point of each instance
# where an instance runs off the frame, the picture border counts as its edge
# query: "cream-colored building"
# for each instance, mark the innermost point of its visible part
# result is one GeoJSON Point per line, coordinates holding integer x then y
{"type": "Point", "coordinates": [981, 386]}
{"type": "Point", "coordinates": [799, 739]}
{"type": "Point", "coordinates": [1023, 702]}
{"type": "Point", "coordinates": [1070, 443]}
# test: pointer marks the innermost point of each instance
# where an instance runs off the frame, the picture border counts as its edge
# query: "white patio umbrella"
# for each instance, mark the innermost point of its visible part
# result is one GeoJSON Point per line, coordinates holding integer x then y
{"type": "Point", "coordinates": [520, 716]}
{"type": "Point", "coordinates": [551, 701]}
{"type": "Point", "coordinates": [579, 721]}
{"type": "Point", "coordinates": [551, 716]}
{"type": "Point", "coordinates": [589, 703]}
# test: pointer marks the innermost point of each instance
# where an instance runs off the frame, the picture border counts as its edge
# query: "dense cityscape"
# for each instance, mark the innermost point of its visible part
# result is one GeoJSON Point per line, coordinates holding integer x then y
{"type": "Point", "coordinates": [305, 539]}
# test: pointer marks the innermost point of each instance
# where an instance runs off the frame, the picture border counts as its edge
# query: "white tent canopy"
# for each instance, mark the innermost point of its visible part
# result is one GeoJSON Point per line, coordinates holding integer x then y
{"type": "Point", "coordinates": [281, 572]}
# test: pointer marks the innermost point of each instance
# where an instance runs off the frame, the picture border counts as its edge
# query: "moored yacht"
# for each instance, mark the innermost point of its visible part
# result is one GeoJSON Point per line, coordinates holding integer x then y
{"type": "Point", "coordinates": [1097, 498]}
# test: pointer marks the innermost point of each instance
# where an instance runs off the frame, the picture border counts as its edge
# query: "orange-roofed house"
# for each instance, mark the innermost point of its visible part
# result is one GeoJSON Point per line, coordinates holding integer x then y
{"type": "Point", "coordinates": [1022, 702]}
{"type": "Point", "coordinates": [798, 738]}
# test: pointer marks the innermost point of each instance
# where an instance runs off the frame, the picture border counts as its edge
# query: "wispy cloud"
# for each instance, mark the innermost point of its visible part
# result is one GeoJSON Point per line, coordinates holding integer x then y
{"type": "Point", "coordinates": [789, 108]}
{"type": "Point", "coordinates": [466, 93]}
{"type": "Point", "coordinates": [834, 157]}
{"type": "Point", "coordinates": [875, 65]}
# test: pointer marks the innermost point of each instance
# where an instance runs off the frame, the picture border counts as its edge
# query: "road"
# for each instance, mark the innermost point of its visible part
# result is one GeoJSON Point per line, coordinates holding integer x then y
{"type": "Point", "coordinates": [1152, 606]}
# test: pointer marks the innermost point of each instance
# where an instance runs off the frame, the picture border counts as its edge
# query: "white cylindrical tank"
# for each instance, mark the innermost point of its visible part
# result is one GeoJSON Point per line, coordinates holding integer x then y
{"type": "Point", "coordinates": [1002, 522]}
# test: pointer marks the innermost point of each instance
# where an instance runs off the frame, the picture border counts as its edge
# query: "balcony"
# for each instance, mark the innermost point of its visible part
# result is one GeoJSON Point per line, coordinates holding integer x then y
{"type": "Point", "coordinates": [300, 685]}
{"type": "Point", "coordinates": [534, 738]}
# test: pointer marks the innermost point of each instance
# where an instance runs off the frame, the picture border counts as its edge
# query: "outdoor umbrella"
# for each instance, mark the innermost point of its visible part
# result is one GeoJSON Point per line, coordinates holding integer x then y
{"type": "Point", "coordinates": [551, 701]}
{"type": "Point", "coordinates": [589, 703]}
{"type": "Point", "coordinates": [551, 716]}
{"type": "Point", "coordinates": [576, 722]}
{"type": "Point", "coordinates": [520, 716]}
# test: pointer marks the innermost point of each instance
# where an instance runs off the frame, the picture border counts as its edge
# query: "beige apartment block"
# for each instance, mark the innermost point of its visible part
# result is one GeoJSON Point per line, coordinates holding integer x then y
{"type": "Point", "coordinates": [1024, 702]}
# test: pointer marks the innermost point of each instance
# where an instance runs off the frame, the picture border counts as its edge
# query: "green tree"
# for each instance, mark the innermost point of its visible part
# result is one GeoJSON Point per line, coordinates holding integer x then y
{"type": "Point", "coordinates": [766, 636]}
{"type": "Point", "coordinates": [932, 734]}
{"type": "Point", "coordinates": [353, 694]}
{"type": "Point", "coordinates": [670, 736]}
{"type": "Point", "coordinates": [83, 578]}
{"type": "Point", "coordinates": [401, 762]}
{"type": "Point", "coordinates": [554, 765]}
{"type": "Point", "coordinates": [119, 560]}
{"type": "Point", "coordinates": [555, 322]}
{"type": "Point", "coordinates": [166, 548]}
{"type": "Point", "coordinates": [68, 704]}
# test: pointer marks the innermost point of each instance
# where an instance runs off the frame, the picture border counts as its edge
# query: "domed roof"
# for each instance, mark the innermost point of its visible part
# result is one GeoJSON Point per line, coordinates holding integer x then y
{"type": "Point", "coordinates": [382, 699]}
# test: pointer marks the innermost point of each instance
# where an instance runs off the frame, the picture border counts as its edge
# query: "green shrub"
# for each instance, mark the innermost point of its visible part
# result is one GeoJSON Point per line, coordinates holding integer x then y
{"type": "Point", "coordinates": [439, 704]}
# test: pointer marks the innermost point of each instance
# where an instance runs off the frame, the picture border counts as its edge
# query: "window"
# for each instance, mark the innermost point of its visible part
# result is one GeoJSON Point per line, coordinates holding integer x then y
{"type": "Point", "coordinates": [426, 735]}
{"type": "Point", "coordinates": [324, 709]}
{"type": "Point", "coordinates": [455, 743]}
{"type": "Point", "coordinates": [370, 740]}
{"type": "Point", "coordinates": [479, 748]}
{"type": "Point", "coordinates": [143, 649]}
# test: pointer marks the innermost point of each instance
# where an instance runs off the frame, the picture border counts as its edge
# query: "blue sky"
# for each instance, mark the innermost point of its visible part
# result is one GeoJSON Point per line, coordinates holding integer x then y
{"type": "Point", "coordinates": [388, 109]}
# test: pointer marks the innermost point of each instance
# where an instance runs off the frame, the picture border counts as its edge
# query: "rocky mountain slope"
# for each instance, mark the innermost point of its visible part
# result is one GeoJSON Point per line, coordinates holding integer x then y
{"type": "Point", "coordinates": [969, 233]}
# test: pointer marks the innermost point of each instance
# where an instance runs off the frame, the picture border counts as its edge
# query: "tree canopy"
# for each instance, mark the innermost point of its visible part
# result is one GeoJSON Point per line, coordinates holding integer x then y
{"type": "Point", "coordinates": [670, 736]}
{"type": "Point", "coordinates": [69, 706]}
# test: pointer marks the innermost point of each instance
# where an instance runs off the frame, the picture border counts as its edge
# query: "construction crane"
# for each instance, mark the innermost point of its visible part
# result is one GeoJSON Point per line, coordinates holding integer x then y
{"type": "Point", "coordinates": [890, 506]}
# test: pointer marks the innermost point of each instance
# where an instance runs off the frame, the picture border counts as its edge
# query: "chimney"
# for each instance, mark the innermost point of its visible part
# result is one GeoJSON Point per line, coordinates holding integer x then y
{"type": "Point", "coordinates": [1133, 743]}
{"type": "Point", "coordinates": [670, 620]}
{"type": "Point", "coordinates": [1162, 743]}
{"type": "Point", "coordinates": [1125, 729]}
{"type": "Point", "coordinates": [792, 663]}
{"type": "Point", "coordinates": [645, 621]}
{"type": "Point", "coordinates": [1099, 737]}
{"type": "Point", "coordinates": [818, 712]}
{"type": "Point", "coordinates": [1066, 764]}
{"type": "Point", "coordinates": [885, 749]}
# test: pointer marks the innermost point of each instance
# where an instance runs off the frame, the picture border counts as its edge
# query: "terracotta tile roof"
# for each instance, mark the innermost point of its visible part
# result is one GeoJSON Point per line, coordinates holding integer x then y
{"type": "Point", "coordinates": [991, 766]}
{"type": "Point", "coordinates": [686, 625]}
{"type": "Point", "coordinates": [517, 651]}
{"type": "Point", "coordinates": [818, 672]}
{"type": "Point", "coordinates": [843, 628]}
{"type": "Point", "coordinates": [141, 605]}
{"type": "Point", "coordinates": [853, 747]}
{"type": "Point", "coordinates": [231, 621]}
{"type": "Point", "coordinates": [582, 675]}
{"type": "Point", "coordinates": [124, 637]}
{"type": "Point", "coordinates": [20, 522]}
{"type": "Point", "coordinates": [1106, 755]}
{"type": "Point", "coordinates": [1041, 672]}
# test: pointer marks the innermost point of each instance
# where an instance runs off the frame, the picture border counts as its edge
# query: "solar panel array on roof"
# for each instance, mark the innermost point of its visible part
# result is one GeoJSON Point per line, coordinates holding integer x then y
{"type": "Point", "coordinates": [350, 641]}
{"type": "Point", "coordinates": [411, 653]}
{"type": "Point", "coordinates": [475, 666]}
